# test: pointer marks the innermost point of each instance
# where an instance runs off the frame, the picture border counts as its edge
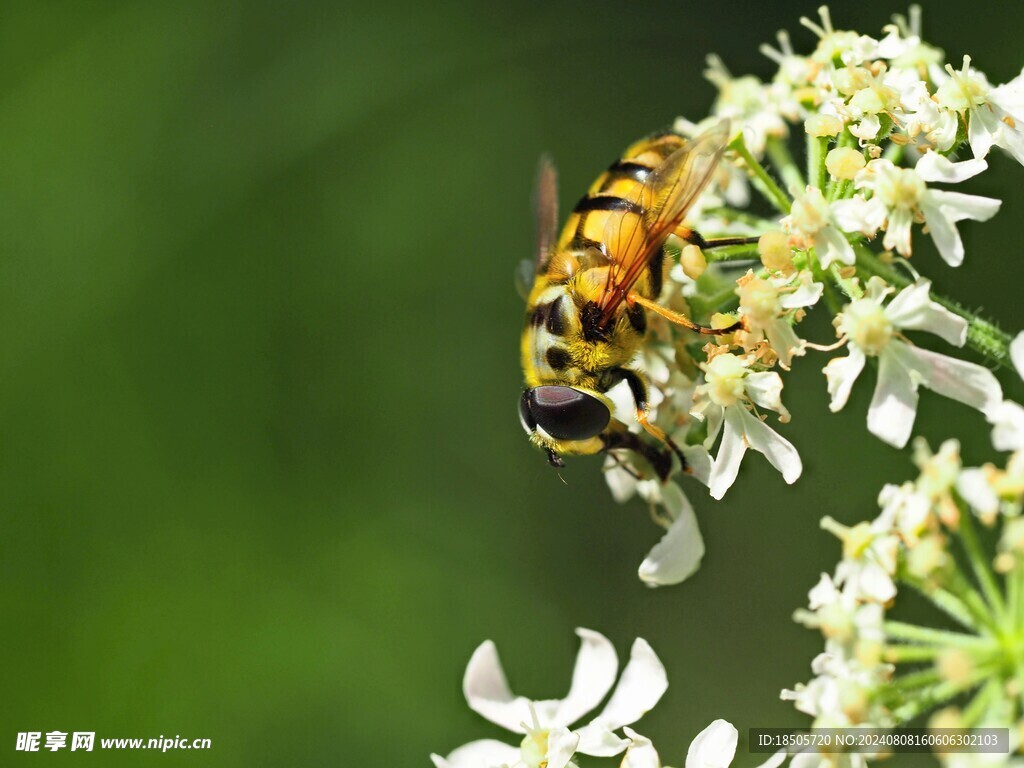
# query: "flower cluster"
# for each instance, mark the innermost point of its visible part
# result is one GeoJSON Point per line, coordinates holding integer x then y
{"type": "Point", "coordinates": [888, 127]}
{"type": "Point", "coordinates": [548, 738]}
{"type": "Point", "coordinates": [879, 671]}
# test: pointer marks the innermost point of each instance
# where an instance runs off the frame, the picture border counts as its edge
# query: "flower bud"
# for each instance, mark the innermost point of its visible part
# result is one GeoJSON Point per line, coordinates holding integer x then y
{"type": "Point", "coordinates": [819, 125]}
{"type": "Point", "coordinates": [693, 262]}
{"type": "Point", "coordinates": [844, 162]}
{"type": "Point", "coordinates": [955, 665]}
{"type": "Point", "coordinates": [776, 254]}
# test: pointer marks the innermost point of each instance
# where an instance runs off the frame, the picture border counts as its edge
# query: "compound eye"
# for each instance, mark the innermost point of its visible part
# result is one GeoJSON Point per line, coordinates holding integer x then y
{"type": "Point", "coordinates": [568, 414]}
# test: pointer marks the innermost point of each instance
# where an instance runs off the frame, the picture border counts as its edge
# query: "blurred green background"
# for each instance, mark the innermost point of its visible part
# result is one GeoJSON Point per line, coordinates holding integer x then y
{"type": "Point", "coordinates": [261, 477]}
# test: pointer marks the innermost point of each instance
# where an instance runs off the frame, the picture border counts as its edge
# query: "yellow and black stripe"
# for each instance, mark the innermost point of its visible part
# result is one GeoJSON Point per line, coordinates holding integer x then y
{"type": "Point", "coordinates": [613, 192]}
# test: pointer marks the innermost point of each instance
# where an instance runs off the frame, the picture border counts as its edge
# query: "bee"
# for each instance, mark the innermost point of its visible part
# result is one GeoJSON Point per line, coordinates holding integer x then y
{"type": "Point", "coordinates": [586, 314]}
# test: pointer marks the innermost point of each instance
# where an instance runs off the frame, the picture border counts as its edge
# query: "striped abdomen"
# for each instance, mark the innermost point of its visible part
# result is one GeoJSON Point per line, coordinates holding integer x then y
{"type": "Point", "coordinates": [613, 192]}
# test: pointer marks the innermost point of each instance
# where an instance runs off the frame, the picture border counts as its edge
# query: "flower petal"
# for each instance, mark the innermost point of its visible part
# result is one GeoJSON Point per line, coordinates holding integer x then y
{"type": "Point", "coordinates": [621, 482]}
{"type": "Point", "coordinates": [959, 380]}
{"type": "Point", "coordinates": [973, 486]}
{"type": "Point", "coordinates": [714, 747]}
{"type": "Point", "coordinates": [982, 130]}
{"type": "Point", "coordinates": [936, 167]}
{"type": "Point", "coordinates": [894, 405]}
{"type": "Point", "coordinates": [778, 450]}
{"type": "Point", "coordinates": [599, 741]}
{"type": "Point", "coordinates": [765, 389]}
{"type": "Point", "coordinates": [592, 678]}
{"type": "Point", "coordinates": [642, 684]}
{"type": "Point", "coordinates": [1007, 421]}
{"type": "Point", "coordinates": [869, 581]}
{"type": "Point", "coordinates": [831, 246]}
{"type": "Point", "coordinates": [775, 760]}
{"type": "Point", "coordinates": [943, 231]}
{"type": "Point", "coordinates": [856, 214]}
{"type": "Point", "coordinates": [1017, 353]}
{"type": "Point", "coordinates": [727, 463]}
{"type": "Point", "coordinates": [958, 206]}
{"type": "Point", "coordinates": [640, 753]}
{"type": "Point", "coordinates": [806, 295]}
{"type": "Point", "coordinates": [487, 691]}
{"type": "Point", "coordinates": [561, 747]}
{"type": "Point", "coordinates": [486, 753]}
{"type": "Point", "coordinates": [841, 373]}
{"type": "Point", "coordinates": [677, 556]}
{"type": "Point", "coordinates": [913, 310]}
{"type": "Point", "coordinates": [699, 459]}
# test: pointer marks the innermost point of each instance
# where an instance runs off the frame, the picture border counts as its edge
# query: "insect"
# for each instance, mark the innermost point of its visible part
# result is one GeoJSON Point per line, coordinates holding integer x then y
{"type": "Point", "coordinates": [592, 287]}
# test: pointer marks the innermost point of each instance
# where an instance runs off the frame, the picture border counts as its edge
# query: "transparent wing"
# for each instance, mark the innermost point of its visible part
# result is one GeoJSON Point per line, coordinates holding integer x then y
{"type": "Point", "coordinates": [659, 205]}
{"type": "Point", "coordinates": [545, 207]}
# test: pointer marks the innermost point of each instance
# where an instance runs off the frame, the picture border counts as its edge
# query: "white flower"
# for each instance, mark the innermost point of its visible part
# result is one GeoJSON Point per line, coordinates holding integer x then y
{"type": "Point", "coordinates": [849, 47]}
{"type": "Point", "coordinates": [908, 509]}
{"type": "Point", "coordinates": [924, 122]}
{"type": "Point", "coordinates": [546, 724]}
{"type": "Point", "coordinates": [769, 306]}
{"type": "Point", "coordinates": [994, 114]}
{"type": "Point", "coordinates": [794, 70]}
{"type": "Point", "coordinates": [753, 107]}
{"type": "Point", "coordinates": [1007, 418]}
{"type": "Point", "coordinates": [900, 197]}
{"type": "Point", "coordinates": [714, 747]}
{"type": "Point", "coordinates": [729, 391]}
{"type": "Point", "coordinates": [873, 330]}
{"type": "Point", "coordinates": [679, 553]}
{"type": "Point", "coordinates": [813, 224]}
{"type": "Point", "coordinates": [869, 558]}
{"type": "Point", "coordinates": [840, 693]}
{"type": "Point", "coordinates": [677, 556]}
{"type": "Point", "coordinates": [903, 46]}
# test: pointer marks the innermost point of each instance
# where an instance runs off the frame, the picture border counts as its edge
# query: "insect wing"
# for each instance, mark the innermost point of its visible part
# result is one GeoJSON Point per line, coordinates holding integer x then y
{"type": "Point", "coordinates": [545, 207]}
{"type": "Point", "coordinates": [659, 205]}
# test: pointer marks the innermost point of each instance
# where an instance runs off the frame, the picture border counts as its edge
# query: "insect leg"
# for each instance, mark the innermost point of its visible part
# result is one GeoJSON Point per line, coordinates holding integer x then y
{"type": "Point", "coordinates": [660, 461]}
{"type": "Point", "coordinates": [694, 237]}
{"type": "Point", "coordinates": [638, 389]}
{"type": "Point", "coordinates": [681, 319]}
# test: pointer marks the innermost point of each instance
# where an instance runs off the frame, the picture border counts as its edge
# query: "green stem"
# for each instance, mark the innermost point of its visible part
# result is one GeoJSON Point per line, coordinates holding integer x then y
{"type": "Point", "coordinates": [962, 588]}
{"type": "Point", "coordinates": [983, 336]}
{"type": "Point", "coordinates": [930, 698]}
{"type": "Point", "coordinates": [902, 654]}
{"type": "Point", "coordinates": [732, 253]}
{"type": "Point", "coordinates": [1012, 585]}
{"type": "Point", "coordinates": [842, 190]}
{"type": "Point", "coordinates": [758, 223]}
{"type": "Point", "coordinates": [918, 679]}
{"type": "Point", "coordinates": [976, 708]}
{"type": "Point", "coordinates": [764, 183]}
{"type": "Point", "coordinates": [835, 306]}
{"type": "Point", "coordinates": [1018, 574]}
{"type": "Point", "coordinates": [979, 563]}
{"type": "Point", "coordinates": [779, 154]}
{"type": "Point", "coordinates": [894, 153]}
{"type": "Point", "coordinates": [846, 284]}
{"type": "Point", "coordinates": [817, 148]}
{"type": "Point", "coordinates": [1020, 683]}
{"type": "Point", "coordinates": [945, 601]}
{"type": "Point", "coordinates": [911, 633]}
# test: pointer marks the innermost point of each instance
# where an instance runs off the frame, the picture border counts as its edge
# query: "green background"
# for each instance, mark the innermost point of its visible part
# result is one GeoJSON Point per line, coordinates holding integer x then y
{"type": "Point", "coordinates": [261, 477]}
